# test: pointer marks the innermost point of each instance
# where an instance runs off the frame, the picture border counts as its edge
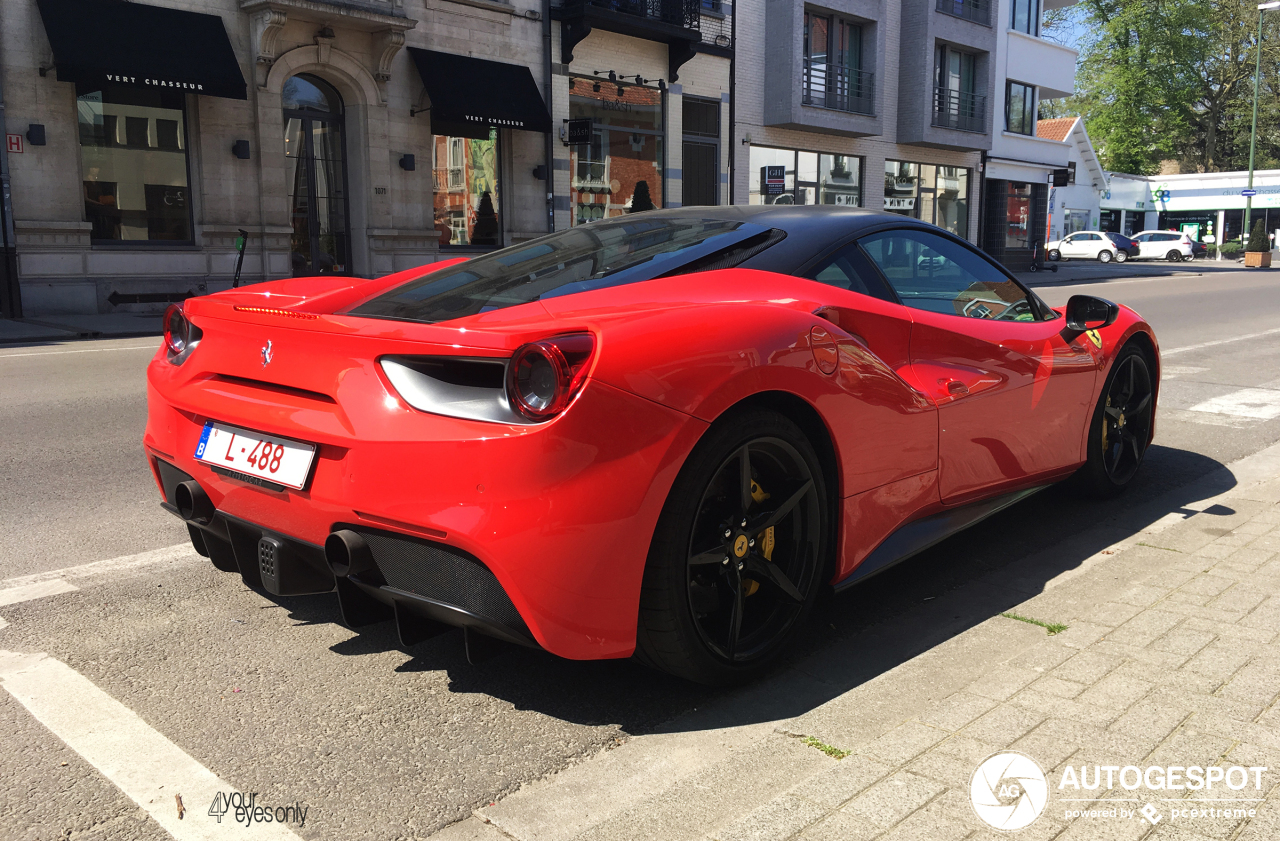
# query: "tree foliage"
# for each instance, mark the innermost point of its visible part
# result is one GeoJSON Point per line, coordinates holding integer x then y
{"type": "Point", "coordinates": [1173, 79]}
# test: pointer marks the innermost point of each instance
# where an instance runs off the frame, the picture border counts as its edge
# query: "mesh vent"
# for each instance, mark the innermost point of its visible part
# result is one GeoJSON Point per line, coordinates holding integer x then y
{"type": "Point", "coordinates": [268, 551]}
{"type": "Point", "coordinates": [442, 573]}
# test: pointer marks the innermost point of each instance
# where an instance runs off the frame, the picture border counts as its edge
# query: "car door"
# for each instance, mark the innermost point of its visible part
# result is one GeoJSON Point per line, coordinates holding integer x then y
{"type": "Point", "coordinates": [1147, 246]}
{"type": "Point", "coordinates": [1092, 245]}
{"type": "Point", "coordinates": [1070, 246]}
{"type": "Point", "coordinates": [1014, 389]}
{"type": "Point", "coordinates": [888, 412]}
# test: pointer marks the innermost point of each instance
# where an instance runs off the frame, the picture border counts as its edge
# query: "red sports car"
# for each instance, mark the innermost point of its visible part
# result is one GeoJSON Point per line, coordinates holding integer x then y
{"type": "Point", "coordinates": [659, 435]}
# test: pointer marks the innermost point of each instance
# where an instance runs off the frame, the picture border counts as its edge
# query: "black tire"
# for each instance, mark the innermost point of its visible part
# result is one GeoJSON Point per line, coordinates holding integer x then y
{"type": "Point", "coordinates": [1120, 428]}
{"type": "Point", "coordinates": [1055, 255]}
{"type": "Point", "coordinates": [1174, 256]}
{"type": "Point", "coordinates": [697, 586]}
{"type": "Point", "coordinates": [1121, 255]}
{"type": "Point", "coordinates": [1104, 256]}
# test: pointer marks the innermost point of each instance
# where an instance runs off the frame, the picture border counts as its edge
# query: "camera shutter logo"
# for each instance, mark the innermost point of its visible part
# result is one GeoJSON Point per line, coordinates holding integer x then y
{"type": "Point", "coordinates": [1008, 791]}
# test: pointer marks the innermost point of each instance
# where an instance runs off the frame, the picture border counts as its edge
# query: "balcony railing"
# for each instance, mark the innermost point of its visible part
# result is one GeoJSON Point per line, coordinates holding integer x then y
{"type": "Point", "coordinates": [832, 86]}
{"type": "Point", "coordinates": [959, 110]}
{"type": "Point", "coordinates": [978, 11]}
{"type": "Point", "coordinates": [682, 13]}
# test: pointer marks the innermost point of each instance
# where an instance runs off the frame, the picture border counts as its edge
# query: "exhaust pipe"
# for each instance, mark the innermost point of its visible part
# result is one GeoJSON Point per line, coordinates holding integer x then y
{"type": "Point", "coordinates": [192, 502]}
{"type": "Point", "coordinates": [347, 553]}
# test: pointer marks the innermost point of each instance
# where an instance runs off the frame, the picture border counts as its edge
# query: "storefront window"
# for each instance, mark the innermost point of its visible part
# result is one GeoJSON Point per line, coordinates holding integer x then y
{"type": "Point", "coordinates": [466, 190]}
{"type": "Point", "coordinates": [935, 194]}
{"type": "Point", "coordinates": [788, 176]}
{"type": "Point", "coordinates": [620, 170]}
{"type": "Point", "coordinates": [1018, 216]}
{"type": "Point", "coordinates": [133, 147]}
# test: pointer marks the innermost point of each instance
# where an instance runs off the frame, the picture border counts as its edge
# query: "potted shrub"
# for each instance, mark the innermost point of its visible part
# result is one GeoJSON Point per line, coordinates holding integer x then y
{"type": "Point", "coordinates": [1257, 254]}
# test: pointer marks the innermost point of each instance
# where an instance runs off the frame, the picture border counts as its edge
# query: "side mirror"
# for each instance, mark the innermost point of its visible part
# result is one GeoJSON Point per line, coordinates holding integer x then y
{"type": "Point", "coordinates": [1085, 312]}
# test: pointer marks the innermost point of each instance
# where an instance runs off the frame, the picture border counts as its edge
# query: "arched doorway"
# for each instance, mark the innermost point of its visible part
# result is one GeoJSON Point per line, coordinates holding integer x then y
{"type": "Point", "coordinates": [316, 165]}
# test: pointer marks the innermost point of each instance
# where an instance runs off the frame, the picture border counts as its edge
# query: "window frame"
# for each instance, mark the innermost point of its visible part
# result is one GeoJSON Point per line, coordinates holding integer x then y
{"type": "Point", "coordinates": [1043, 311]}
{"type": "Point", "coordinates": [1029, 101]}
{"type": "Point", "coordinates": [1033, 10]}
{"type": "Point", "coordinates": [82, 88]}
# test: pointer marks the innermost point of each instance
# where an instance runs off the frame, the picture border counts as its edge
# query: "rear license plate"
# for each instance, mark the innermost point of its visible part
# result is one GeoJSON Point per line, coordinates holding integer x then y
{"type": "Point", "coordinates": [270, 457]}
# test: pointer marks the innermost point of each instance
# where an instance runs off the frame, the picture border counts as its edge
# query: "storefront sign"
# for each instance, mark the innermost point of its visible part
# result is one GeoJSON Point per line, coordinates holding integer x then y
{"type": "Point", "coordinates": [1061, 177]}
{"type": "Point", "coordinates": [899, 203]}
{"type": "Point", "coordinates": [13, 143]}
{"type": "Point", "coordinates": [773, 179]}
{"type": "Point", "coordinates": [580, 132]}
{"type": "Point", "coordinates": [153, 83]}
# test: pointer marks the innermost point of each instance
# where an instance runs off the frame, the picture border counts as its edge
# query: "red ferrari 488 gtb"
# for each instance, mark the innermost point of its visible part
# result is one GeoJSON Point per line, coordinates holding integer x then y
{"type": "Point", "coordinates": [659, 435]}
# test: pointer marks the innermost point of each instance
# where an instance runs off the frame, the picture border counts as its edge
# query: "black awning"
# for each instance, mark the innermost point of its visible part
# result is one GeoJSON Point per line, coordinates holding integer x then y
{"type": "Point", "coordinates": [110, 42]}
{"type": "Point", "coordinates": [471, 95]}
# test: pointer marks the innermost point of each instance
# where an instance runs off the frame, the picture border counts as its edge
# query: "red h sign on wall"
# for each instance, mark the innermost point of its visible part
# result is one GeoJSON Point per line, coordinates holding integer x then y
{"type": "Point", "coordinates": [13, 142]}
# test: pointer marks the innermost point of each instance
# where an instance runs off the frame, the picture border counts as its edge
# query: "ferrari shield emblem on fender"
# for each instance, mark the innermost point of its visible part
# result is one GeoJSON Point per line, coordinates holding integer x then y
{"type": "Point", "coordinates": [266, 354]}
{"type": "Point", "coordinates": [1094, 337]}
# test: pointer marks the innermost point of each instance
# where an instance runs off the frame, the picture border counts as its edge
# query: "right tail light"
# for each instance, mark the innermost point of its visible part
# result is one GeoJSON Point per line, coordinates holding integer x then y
{"type": "Point", "coordinates": [544, 377]}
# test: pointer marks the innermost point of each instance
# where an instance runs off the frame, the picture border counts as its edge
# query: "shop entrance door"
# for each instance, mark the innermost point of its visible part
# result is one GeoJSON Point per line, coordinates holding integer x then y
{"type": "Point", "coordinates": [315, 156]}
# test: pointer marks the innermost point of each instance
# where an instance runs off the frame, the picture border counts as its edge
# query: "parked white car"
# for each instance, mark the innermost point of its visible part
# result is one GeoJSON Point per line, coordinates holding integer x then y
{"type": "Point", "coordinates": [1173, 246]}
{"type": "Point", "coordinates": [1085, 245]}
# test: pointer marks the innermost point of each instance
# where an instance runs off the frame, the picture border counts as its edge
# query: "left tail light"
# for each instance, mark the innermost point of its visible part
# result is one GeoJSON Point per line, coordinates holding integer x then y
{"type": "Point", "coordinates": [544, 377]}
{"type": "Point", "coordinates": [180, 335]}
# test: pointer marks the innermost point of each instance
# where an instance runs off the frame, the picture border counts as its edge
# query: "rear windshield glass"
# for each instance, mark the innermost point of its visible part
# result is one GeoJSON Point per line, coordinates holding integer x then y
{"type": "Point", "coordinates": [595, 256]}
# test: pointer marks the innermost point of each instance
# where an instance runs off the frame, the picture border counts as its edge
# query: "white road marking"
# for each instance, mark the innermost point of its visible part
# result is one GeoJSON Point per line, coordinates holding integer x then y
{"type": "Point", "coordinates": [1217, 342]}
{"type": "Point", "coordinates": [86, 350]}
{"type": "Point", "coordinates": [3, 624]}
{"type": "Point", "coordinates": [1207, 418]}
{"type": "Point", "coordinates": [1170, 371]}
{"type": "Point", "coordinates": [35, 590]}
{"type": "Point", "coordinates": [1262, 403]}
{"type": "Point", "coordinates": [180, 552]}
{"type": "Point", "coordinates": [137, 759]}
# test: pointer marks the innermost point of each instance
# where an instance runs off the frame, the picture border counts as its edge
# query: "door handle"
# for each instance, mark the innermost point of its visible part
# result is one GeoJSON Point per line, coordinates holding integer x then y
{"type": "Point", "coordinates": [956, 388]}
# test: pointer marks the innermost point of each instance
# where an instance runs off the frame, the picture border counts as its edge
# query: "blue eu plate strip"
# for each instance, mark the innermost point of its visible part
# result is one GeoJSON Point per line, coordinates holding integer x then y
{"type": "Point", "coordinates": [204, 438]}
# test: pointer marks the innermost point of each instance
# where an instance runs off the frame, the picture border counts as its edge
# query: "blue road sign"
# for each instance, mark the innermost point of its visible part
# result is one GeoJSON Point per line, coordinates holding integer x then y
{"type": "Point", "coordinates": [1248, 192]}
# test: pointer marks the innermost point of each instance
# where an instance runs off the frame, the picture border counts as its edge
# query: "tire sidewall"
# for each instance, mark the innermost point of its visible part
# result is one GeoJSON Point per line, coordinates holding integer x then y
{"type": "Point", "coordinates": [1093, 472]}
{"type": "Point", "coordinates": [666, 566]}
{"type": "Point", "coordinates": [1104, 256]}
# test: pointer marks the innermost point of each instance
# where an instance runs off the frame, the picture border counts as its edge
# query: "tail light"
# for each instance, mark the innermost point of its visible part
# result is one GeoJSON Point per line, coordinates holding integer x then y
{"type": "Point", "coordinates": [180, 335]}
{"type": "Point", "coordinates": [544, 377]}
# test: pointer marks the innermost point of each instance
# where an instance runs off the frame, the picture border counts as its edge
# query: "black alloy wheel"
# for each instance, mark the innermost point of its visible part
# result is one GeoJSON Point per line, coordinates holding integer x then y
{"type": "Point", "coordinates": [1121, 428]}
{"type": "Point", "coordinates": [738, 558]}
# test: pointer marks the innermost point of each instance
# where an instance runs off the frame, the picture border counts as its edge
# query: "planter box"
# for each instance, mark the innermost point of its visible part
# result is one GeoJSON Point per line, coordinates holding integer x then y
{"type": "Point", "coordinates": [1257, 259]}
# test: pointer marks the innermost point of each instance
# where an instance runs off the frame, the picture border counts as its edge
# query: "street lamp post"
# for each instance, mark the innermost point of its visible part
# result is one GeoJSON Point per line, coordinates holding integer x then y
{"type": "Point", "coordinates": [1253, 133]}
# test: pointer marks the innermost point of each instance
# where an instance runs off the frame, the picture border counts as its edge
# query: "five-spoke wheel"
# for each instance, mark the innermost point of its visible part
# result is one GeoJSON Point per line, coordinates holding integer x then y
{"type": "Point", "coordinates": [1121, 427]}
{"type": "Point", "coordinates": [739, 554]}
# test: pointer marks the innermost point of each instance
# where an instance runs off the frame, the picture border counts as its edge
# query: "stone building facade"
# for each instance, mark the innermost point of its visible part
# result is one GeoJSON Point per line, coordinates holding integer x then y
{"type": "Point", "coordinates": [340, 81]}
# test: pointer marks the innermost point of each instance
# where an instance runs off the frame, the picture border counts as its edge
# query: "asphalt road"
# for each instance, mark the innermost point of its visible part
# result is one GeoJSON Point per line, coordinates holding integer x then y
{"type": "Point", "coordinates": [273, 696]}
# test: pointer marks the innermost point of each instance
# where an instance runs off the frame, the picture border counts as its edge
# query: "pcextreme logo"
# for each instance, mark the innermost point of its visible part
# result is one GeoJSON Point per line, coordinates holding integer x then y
{"type": "Point", "coordinates": [1008, 791]}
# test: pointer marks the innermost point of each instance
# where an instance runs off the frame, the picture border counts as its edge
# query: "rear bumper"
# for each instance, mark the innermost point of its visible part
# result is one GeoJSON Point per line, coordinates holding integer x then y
{"type": "Point", "coordinates": [555, 519]}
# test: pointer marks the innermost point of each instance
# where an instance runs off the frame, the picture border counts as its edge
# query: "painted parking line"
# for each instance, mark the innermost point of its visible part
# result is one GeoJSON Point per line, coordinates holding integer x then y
{"type": "Point", "coordinates": [1215, 343]}
{"type": "Point", "coordinates": [35, 590]}
{"type": "Point", "coordinates": [1259, 403]}
{"type": "Point", "coordinates": [142, 763]}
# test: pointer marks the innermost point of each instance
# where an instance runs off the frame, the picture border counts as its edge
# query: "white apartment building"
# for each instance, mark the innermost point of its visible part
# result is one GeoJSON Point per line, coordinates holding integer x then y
{"type": "Point", "coordinates": [1019, 168]}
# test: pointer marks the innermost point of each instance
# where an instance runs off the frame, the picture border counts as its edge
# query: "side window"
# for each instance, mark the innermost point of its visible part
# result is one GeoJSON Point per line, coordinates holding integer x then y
{"type": "Point", "coordinates": [933, 273]}
{"type": "Point", "coordinates": [847, 269]}
{"type": "Point", "coordinates": [1142, 237]}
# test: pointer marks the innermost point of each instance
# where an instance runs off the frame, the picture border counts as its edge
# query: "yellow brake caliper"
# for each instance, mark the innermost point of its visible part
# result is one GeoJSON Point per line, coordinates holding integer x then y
{"type": "Point", "coordinates": [766, 540]}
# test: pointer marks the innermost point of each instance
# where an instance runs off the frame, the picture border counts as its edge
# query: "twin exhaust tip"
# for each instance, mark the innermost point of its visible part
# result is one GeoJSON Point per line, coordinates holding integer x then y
{"type": "Point", "coordinates": [347, 553]}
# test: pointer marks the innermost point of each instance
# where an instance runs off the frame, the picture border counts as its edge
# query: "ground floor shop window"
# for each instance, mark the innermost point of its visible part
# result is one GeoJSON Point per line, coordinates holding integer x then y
{"type": "Point", "coordinates": [936, 194]}
{"type": "Point", "coordinates": [466, 190]}
{"type": "Point", "coordinates": [789, 176]}
{"type": "Point", "coordinates": [133, 154]}
{"type": "Point", "coordinates": [1017, 232]}
{"type": "Point", "coordinates": [1198, 224]}
{"type": "Point", "coordinates": [620, 169]}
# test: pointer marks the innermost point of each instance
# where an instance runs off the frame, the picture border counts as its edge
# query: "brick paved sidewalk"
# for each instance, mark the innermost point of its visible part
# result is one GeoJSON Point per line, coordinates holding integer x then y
{"type": "Point", "coordinates": [1168, 660]}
